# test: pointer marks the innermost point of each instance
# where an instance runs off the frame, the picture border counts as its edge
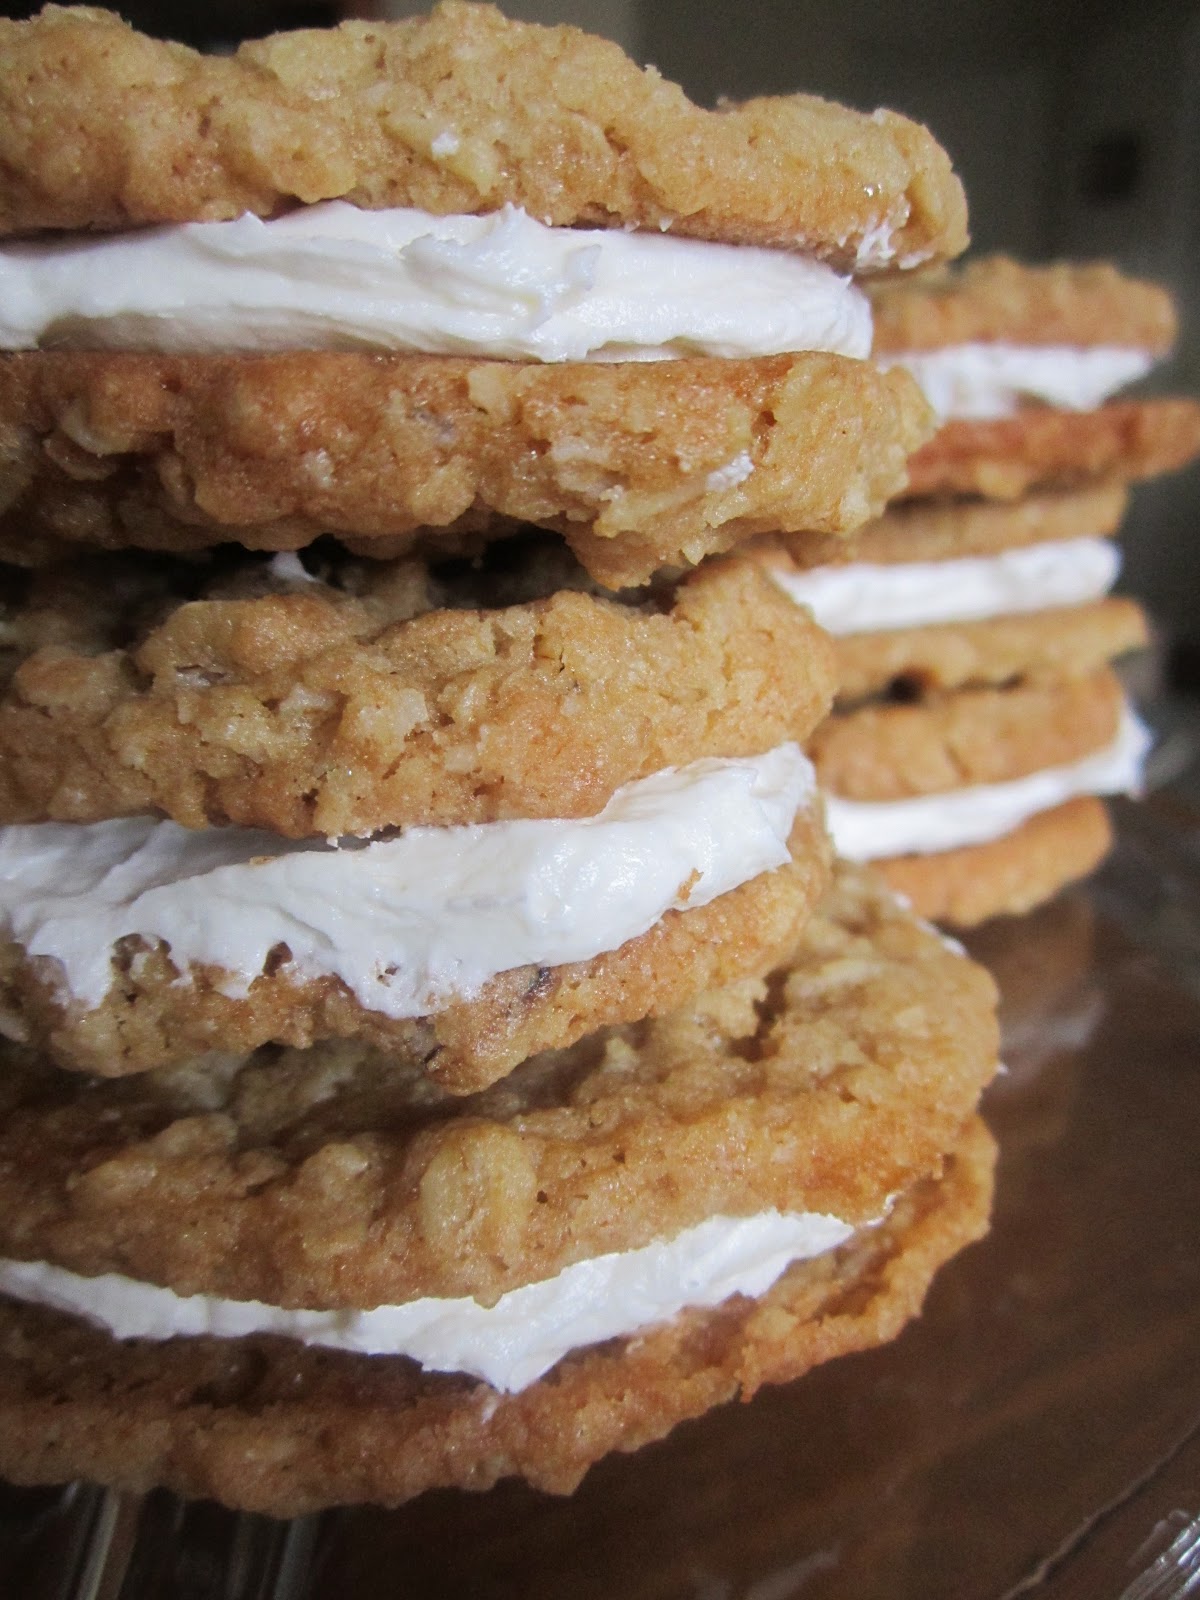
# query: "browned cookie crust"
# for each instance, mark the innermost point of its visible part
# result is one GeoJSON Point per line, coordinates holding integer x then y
{"type": "Point", "coordinates": [1061, 642]}
{"type": "Point", "coordinates": [154, 1015]}
{"type": "Point", "coordinates": [953, 530]}
{"type": "Point", "coordinates": [1000, 300]}
{"type": "Point", "coordinates": [273, 1427]}
{"type": "Point", "coordinates": [972, 736]}
{"type": "Point", "coordinates": [105, 128]}
{"type": "Point", "coordinates": [388, 694]}
{"type": "Point", "coordinates": [341, 1177]}
{"type": "Point", "coordinates": [184, 452]}
{"type": "Point", "coordinates": [1041, 446]}
{"type": "Point", "coordinates": [1013, 874]}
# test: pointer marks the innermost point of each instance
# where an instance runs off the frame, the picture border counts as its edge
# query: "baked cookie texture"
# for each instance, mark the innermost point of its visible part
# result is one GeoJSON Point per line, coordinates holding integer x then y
{"type": "Point", "coordinates": [463, 111]}
{"type": "Point", "coordinates": [369, 695]}
{"type": "Point", "coordinates": [638, 465]}
{"type": "Point", "coordinates": [998, 300]}
{"type": "Point", "coordinates": [339, 1177]}
{"type": "Point", "coordinates": [1022, 869]}
{"type": "Point", "coordinates": [1060, 642]}
{"type": "Point", "coordinates": [269, 1427]}
{"type": "Point", "coordinates": [956, 530]}
{"type": "Point", "coordinates": [946, 742]}
{"type": "Point", "coordinates": [154, 1014]}
{"type": "Point", "coordinates": [1124, 441]}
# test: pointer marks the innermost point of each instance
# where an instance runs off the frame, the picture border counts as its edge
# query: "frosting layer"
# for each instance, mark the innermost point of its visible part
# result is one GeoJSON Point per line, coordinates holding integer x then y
{"type": "Point", "coordinates": [862, 598]}
{"type": "Point", "coordinates": [508, 1344]}
{"type": "Point", "coordinates": [334, 277]}
{"type": "Point", "coordinates": [979, 381]}
{"type": "Point", "coordinates": [407, 923]}
{"type": "Point", "coordinates": [865, 830]}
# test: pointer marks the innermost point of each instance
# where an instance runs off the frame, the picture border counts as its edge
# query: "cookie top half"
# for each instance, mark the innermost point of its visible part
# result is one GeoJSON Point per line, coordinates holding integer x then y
{"type": "Point", "coordinates": [997, 298]}
{"type": "Point", "coordinates": [462, 111]}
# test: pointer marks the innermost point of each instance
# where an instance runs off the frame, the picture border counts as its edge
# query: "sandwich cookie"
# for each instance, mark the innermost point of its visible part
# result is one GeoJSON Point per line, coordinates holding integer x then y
{"type": "Point", "coordinates": [958, 593]}
{"type": "Point", "coordinates": [385, 320]}
{"type": "Point", "coordinates": [309, 1277]}
{"type": "Point", "coordinates": [466, 831]}
{"type": "Point", "coordinates": [1021, 364]}
{"type": "Point", "coordinates": [980, 801]}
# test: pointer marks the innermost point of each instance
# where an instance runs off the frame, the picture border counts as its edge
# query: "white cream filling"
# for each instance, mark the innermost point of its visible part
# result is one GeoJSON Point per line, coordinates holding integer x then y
{"type": "Point", "coordinates": [977, 382]}
{"type": "Point", "coordinates": [333, 276]}
{"type": "Point", "coordinates": [509, 1344]}
{"type": "Point", "coordinates": [862, 597]}
{"type": "Point", "coordinates": [866, 830]}
{"type": "Point", "coordinates": [407, 923]}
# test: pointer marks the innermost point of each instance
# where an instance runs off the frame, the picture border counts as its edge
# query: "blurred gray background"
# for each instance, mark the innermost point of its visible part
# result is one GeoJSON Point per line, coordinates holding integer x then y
{"type": "Point", "coordinates": [1074, 123]}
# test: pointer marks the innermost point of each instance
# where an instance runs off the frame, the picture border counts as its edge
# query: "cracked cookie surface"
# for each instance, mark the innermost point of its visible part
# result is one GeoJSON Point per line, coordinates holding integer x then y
{"type": "Point", "coordinates": [639, 465]}
{"type": "Point", "coordinates": [349, 696]}
{"type": "Point", "coordinates": [463, 111]}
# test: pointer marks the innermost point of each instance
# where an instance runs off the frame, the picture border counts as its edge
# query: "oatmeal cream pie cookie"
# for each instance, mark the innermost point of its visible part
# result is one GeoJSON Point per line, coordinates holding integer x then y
{"type": "Point", "coordinates": [302, 1278]}
{"type": "Point", "coordinates": [949, 594]}
{"type": "Point", "coordinates": [465, 828]}
{"type": "Point", "coordinates": [973, 705]}
{"type": "Point", "coordinates": [981, 800]}
{"type": "Point", "coordinates": [506, 206]}
{"type": "Point", "coordinates": [1020, 364]}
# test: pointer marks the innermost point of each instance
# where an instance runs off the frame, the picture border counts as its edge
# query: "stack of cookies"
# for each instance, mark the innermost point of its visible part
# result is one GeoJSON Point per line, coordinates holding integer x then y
{"type": "Point", "coordinates": [978, 718]}
{"type": "Point", "coordinates": [439, 1046]}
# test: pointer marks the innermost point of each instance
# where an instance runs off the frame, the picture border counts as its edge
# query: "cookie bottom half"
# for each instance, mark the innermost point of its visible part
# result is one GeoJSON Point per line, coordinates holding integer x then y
{"type": "Point", "coordinates": [1012, 874]}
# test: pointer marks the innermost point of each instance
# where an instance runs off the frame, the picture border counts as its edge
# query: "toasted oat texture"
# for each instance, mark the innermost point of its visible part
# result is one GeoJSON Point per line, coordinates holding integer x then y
{"type": "Point", "coordinates": [1060, 642]}
{"type": "Point", "coordinates": [341, 1177]}
{"type": "Point", "coordinates": [154, 1015]}
{"type": "Point", "coordinates": [971, 736]}
{"type": "Point", "coordinates": [1000, 300]}
{"type": "Point", "coordinates": [269, 1426]}
{"type": "Point", "coordinates": [629, 461]}
{"type": "Point", "coordinates": [1044, 447]}
{"type": "Point", "coordinates": [225, 692]}
{"type": "Point", "coordinates": [964, 887]}
{"type": "Point", "coordinates": [463, 111]}
{"type": "Point", "coordinates": [952, 530]}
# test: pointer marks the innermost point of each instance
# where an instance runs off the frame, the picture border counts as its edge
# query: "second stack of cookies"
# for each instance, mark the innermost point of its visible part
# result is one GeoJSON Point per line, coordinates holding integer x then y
{"type": "Point", "coordinates": [978, 717]}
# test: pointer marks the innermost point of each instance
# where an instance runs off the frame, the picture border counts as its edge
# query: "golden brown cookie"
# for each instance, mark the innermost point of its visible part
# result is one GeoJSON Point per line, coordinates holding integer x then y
{"type": "Point", "coordinates": [463, 111]}
{"type": "Point", "coordinates": [629, 461]}
{"type": "Point", "coordinates": [367, 695]}
{"type": "Point", "coordinates": [951, 530]}
{"type": "Point", "coordinates": [945, 742]}
{"type": "Point", "coordinates": [1041, 447]}
{"type": "Point", "coordinates": [153, 1013]}
{"type": "Point", "coordinates": [1012, 874]}
{"type": "Point", "coordinates": [998, 299]}
{"type": "Point", "coordinates": [340, 1177]}
{"type": "Point", "coordinates": [259, 1424]}
{"type": "Point", "coordinates": [1061, 642]}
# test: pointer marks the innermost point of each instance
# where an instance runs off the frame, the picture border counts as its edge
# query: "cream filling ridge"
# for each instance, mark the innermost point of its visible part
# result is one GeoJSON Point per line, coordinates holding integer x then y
{"type": "Point", "coordinates": [333, 276]}
{"type": "Point", "coordinates": [980, 382]}
{"type": "Point", "coordinates": [509, 1344]}
{"type": "Point", "coordinates": [866, 830]}
{"type": "Point", "coordinates": [862, 597]}
{"type": "Point", "coordinates": [407, 923]}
